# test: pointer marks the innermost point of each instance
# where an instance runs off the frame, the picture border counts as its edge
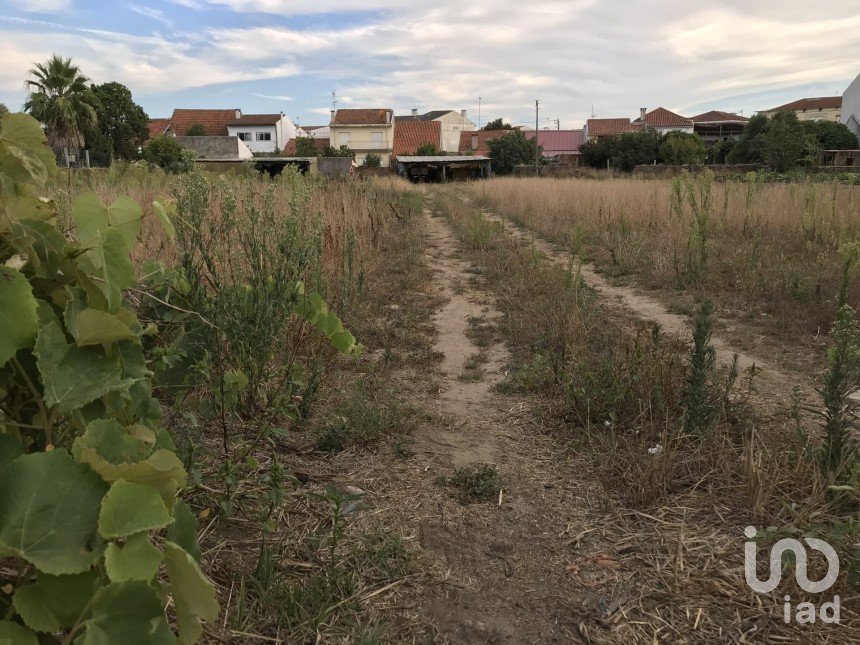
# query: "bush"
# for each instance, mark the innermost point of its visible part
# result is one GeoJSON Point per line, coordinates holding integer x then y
{"type": "Point", "coordinates": [681, 149]}
{"type": "Point", "coordinates": [196, 130]}
{"type": "Point", "coordinates": [511, 150]}
{"type": "Point", "coordinates": [166, 152]}
{"type": "Point", "coordinates": [372, 160]}
{"type": "Point", "coordinates": [306, 147]}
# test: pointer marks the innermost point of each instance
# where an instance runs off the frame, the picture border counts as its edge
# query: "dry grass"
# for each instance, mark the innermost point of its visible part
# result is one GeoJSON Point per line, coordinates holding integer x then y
{"type": "Point", "coordinates": [772, 249]}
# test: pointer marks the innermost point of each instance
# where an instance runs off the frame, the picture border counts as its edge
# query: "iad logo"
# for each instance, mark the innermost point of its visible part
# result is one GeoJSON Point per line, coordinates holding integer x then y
{"type": "Point", "coordinates": [805, 611]}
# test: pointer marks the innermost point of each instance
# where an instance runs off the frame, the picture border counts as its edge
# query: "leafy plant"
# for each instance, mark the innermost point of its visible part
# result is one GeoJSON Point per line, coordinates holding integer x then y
{"type": "Point", "coordinates": [478, 483]}
{"type": "Point", "coordinates": [196, 130]}
{"type": "Point", "coordinates": [88, 474]}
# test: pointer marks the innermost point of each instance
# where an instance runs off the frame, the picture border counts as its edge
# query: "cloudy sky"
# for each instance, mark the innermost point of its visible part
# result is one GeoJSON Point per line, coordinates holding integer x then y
{"type": "Point", "coordinates": [609, 56]}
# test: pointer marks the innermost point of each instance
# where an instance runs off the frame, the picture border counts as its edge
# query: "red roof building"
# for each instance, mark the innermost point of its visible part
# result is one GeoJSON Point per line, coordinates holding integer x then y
{"type": "Point", "coordinates": [595, 128]}
{"type": "Point", "coordinates": [362, 116]}
{"type": "Point", "coordinates": [158, 127]}
{"type": "Point", "coordinates": [557, 143]}
{"type": "Point", "coordinates": [290, 149]}
{"type": "Point", "coordinates": [822, 108]}
{"type": "Point", "coordinates": [663, 121]}
{"type": "Point", "coordinates": [410, 135]}
{"type": "Point", "coordinates": [214, 122]}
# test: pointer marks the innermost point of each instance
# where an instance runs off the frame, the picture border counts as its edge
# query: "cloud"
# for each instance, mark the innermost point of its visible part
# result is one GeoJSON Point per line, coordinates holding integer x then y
{"type": "Point", "coordinates": [276, 97]}
{"type": "Point", "coordinates": [150, 12]}
{"type": "Point", "coordinates": [44, 6]}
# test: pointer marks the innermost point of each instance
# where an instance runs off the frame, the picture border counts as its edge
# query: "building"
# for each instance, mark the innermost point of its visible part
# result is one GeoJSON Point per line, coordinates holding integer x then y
{"type": "Point", "coordinates": [214, 122]}
{"type": "Point", "coordinates": [559, 146]}
{"type": "Point", "coordinates": [365, 131]}
{"type": "Point", "coordinates": [715, 126]}
{"type": "Point", "coordinates": [475, 142]}
{"type": "Point", "coordinates": [291, 149]}
{"type": "Point", "coordinates": [452, 124]}
{"type": "Point", "coordinates": [663, 121]}
{"type": "Point", "coordinates": [313, 131]}
{"type": "Point", "coordinates": [262, 133]}
{"type": "Point", "coordinates": [158, 127]}
{"type": "Point", "coordinates": [596, 128]}
{"type": "Point", "coordinates": [217, 148]}
{"type": "Point", "coordinates": [410, 135]}
{"type": "Point", "coordinates": [851, 107]}
{"type": "Point", "coordinates": [442, 168]}
{"type": "Point", "coordinates": [822, 108]}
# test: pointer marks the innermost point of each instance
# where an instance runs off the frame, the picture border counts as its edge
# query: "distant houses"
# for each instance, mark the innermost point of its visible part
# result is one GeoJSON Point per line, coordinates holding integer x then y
{"type": "Point", "coordinates": [364, 131]}
{"type": "Point", "coordinates": [822, 108]}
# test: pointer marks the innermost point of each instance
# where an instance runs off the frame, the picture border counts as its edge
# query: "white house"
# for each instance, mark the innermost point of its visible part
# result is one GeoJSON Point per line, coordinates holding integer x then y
{"type": "Point", "coordinates": [851, 106]}
{"type": "Point", "coordinates": [263, 132]}
{"type": "Point", "coordinates": [314, 131]}
{"type": "Point", "coordinates": [452, 124]}
{"type": "Point", "coordinates": [663, 121]}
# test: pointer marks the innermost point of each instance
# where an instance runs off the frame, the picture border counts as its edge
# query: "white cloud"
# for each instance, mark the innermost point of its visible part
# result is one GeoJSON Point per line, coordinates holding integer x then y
{"type": "Point", "coordinates": [275, 97]}
{"type": "Point", "coordinates": [150, 12]}
{"type": "Point", "coordinates": [44, 6]}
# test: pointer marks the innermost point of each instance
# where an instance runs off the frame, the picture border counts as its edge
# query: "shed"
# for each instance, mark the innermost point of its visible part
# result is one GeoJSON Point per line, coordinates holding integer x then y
{"type": "Point", "coordinates": [441, 168]}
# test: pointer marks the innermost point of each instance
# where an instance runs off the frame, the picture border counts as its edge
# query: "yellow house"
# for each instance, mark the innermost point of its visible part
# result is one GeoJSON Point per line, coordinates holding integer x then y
{"type": "Point", "coordinates": [365, 131]}
{"type": "Point", "coordinates": [822, 108]}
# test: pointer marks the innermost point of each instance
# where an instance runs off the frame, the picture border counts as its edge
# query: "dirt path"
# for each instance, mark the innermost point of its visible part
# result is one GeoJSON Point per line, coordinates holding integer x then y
{"type": "Point", "coordinates": [501, 567]}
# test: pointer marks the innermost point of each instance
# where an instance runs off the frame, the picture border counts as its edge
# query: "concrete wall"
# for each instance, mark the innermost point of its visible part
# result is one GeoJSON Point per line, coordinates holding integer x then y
{"type": "Point", "coordinates": [217, 147]}
{"type": "Point", "coordinates": [334, 166]}
{"type": "Point", "coordinates": [360, 140]}
{"type": "Point", "coordinates": [452, 124]}
{"type": "Point", "coordinates": [851, 106]}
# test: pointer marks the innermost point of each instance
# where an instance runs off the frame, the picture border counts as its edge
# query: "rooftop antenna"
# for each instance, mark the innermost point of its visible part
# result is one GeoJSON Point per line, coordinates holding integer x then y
{"type": "Point", "coordinates": [592, 111]}
{"type": "Point", "coordinates": [333, 101]}
{"type": "Point", "coordinates": [479, 113]}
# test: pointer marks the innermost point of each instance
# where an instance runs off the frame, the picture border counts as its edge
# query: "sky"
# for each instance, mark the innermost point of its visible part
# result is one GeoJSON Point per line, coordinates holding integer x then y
{"type": "Point", "coordinates": [578, 57]}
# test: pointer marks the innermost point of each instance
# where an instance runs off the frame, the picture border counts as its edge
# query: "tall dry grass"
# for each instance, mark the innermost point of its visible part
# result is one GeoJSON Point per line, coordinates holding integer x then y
{"type": "Point", "coordinates": [769, 248]}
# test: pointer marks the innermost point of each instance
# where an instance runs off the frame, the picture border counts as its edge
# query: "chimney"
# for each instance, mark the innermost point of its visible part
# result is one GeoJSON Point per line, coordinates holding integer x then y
{"type": "Point", "coordinates": [332, 116]}
{"type": "Point", "coordinates": [238, 113]}
{"type": "Point", "coordinates": [474, 142]}
{"type": "Point", "coordinates": [463, 113]}
{"type": "Point", "coordinates": [642, 112]}
{"type": "Point", "coordinates": [414, 111]}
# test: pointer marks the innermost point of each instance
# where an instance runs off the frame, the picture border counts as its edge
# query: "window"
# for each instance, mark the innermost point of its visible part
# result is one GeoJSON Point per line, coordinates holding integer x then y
{"type": "Point", "coordinates": [376, 140]}
{"type": "Point", "coordinates": [244, 136]}
{"type": "Point", "coordinates": [264, 136]}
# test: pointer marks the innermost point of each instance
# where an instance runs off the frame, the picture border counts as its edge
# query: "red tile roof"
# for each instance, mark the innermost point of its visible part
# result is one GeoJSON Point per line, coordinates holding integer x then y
{"type": "Point", "coordinates": [290, 148]}
{"type": "Point", "coordinates": [819, 103]}
{"type": "Point", "coordinates": [409, 135]}
{"type": "Point", "coordinates": [663, 118]}
{"type": "Point", "coordinates": [214, 122]}
{"type": "Point", "coordinates": [256, 119]}
{"type": "Point", "coordinates": [557, 142]}
{"type": "Point", "coordinates": [717, 116]}
{"type": "Point", "coordinates": [600, 127]}
{"type": "Point", "coordinates": [362, 117]}
{"type": "Point", "coordinates": [480, 138]}
{"type": "Point", "coordinates": [158, 126]}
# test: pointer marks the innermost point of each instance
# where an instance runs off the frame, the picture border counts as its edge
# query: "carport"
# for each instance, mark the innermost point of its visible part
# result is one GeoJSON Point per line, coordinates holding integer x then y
{"type": "Point", "coordinates": [434, 169]}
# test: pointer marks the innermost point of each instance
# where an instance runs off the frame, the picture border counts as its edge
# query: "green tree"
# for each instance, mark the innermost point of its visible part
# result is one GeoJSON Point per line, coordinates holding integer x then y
{"type": "Point", "coordinates": [786, 143]}
{"type": "Point", "coordinates": [122, 124]}
{"type": "Point", "coordinates": [598, 152]}
{"type": "Point", "coordinates": [166, 152]}
{"type": "Point", "coordinates": [718, 152]}
{"type": "Point", "coordinates": [831, 135]}
{"type": "Point", "coordinates": [635, 148]}
{"type": "Point", "coordinates": [306, 147]}
{"type": "Point", "coordinates": [749, 148]}
{"type": "Point", "coordinates": [681, 149]}
{"type": "Point", "coordinates": [498, 124]}
{"type": "Point", "coordinates": [511, 150]}
{"type": "Point", "coordinates": [60, 99]}
{"type": "Point", "coordinates": [372, 160]}
{"type": "Point", "coordinates": [343, 151]}
{"type": "Point", "coordinates": [428, 150]}
{"type": "Point", "coordinates": [196, 130]}
{"type": "Point", "coordinates": [3, 109]}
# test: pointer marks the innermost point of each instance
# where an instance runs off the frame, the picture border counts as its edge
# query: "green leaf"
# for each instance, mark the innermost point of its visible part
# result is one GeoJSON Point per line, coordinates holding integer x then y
{"type": "Point", "coordinates": [314, 309]}
{"type": "Point", "coordinates": [109, 268]}
{"type": "Point", "coordinates": [18, 321]}
{"type": "Point", "coordinates": [183, 531]}
{"type": "Point", "coordinates": [73, 376]}
{"type": "Point", "coordinates": [96, 327]}
{"type": "Point", "coordinates": [49, 507]}
{"type": "Point", "coordinates": [43, 243]}
{"type": "Point", "coordinates": [129, 613]}
{"type": "Point", "coordinates": [130, 508]}
{"type": "Point", "coordinates": [92, 219]}
{"type": "Point", "coordinates": [24, 154]}
{"type": "Point", "coordinates": [193, 595]}
{"type": "Point", "coordinates": [161, 207]}
{"type": "Point", "coordinates": [137, 559]}
{"type": "Point", "coordinates": [53, 603]}
{"type": "Point", "coordinates": [10, 448]}
{"type": "Point", "coordinates": [114, 443]}
{"type": "Point", "coordinates": [15, 634]}
{"type": "Point", "coordinates": [162, 470]}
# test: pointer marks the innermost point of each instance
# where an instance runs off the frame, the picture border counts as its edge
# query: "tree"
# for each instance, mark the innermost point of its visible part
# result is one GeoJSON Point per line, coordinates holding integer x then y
{"type": "Point", "coordinates": [635, 149]}
{"type": "Point", "coordinates": [306, 147]}
{"type": "Point", "coordinates": [681, 149]}
{"type": "Point", "coordinates": [166, 152]}
{"type": "Point", "coordinates": [372, 160]}
{"type": "Point", "coordinates": [498, 124]}
{"type": "Point", "coordinates": [831, 135]}
{"type": "Point", "coordinates": [749, 148]}
{"type": "Point", "coordinates": [122, 124]}
{"type": "Point", "coordinates": [60, 99]}
{"type": "Point", "coordinates": [786, 143]}
{"type": "Point", "coordinates": [511, 150]}
{"type": "Point", "coordinates": [718, 152]}
{"type": "Point", "coordinates": [3, 109]}
{"type": "Point", "coordinates": [428, 150]}
{"type": "Point", "coordinates": [196, 130]}
{"type": "Point", "coordinates": [597, 152]}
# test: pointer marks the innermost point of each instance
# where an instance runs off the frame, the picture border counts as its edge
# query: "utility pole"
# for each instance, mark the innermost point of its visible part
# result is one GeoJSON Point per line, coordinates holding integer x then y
{"type": "Point", "coordinates": [479, 113]}
{"type": "Point", "coordinates": [537, 147]}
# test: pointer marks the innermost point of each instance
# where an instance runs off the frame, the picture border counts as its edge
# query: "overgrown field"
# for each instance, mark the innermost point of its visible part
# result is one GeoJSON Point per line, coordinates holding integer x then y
{"type": "Point", "coordinates": [685, 457]}
{"type": "Point", "coordinates": [772, 253]}
{"type": "Point", "coordinates": [198, 334]}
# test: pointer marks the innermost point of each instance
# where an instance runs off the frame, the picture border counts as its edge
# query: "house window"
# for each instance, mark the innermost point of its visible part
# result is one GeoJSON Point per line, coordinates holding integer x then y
{"type": "Point", "coordinates": [264, 136]}
{"type": "Point", "coordinates": [244, 136]}
{"type": "Point", "coordinates": [376, 140]}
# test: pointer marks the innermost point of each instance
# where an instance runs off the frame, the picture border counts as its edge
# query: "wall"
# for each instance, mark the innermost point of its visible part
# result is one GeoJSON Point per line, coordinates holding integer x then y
{"type": "Point", "coordinates": [229, 148]}
{"type": "Point", "coordinates": [281, 132]}
{"type": "Point", "coordinates": [826, 114]}
{"type": "Point", "coordinates": [334, 166]}
{"type": "Point", "coordinates": [361, 140]}
{"type": "Point", "coordinates": [452, 124]}
{"type": "Point", "coordinates": [851, 106]}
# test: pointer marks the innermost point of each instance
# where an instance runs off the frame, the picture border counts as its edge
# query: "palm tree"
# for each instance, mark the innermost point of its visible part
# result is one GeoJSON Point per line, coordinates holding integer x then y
{"type": "Point", "coordinates": [60, 99]}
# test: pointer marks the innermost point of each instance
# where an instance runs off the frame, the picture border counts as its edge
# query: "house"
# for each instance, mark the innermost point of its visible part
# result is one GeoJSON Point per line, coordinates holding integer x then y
{"type": "Point", "coordinates": [364, 131]}
{"type": "Point", "coordinates": [291, 150]}
{"type": "Point", "coordinates": [851, 106]}
{"type": "Point", "coordinates": [596, 128]}
{"type": "Point", "coordinates": [452, 124]}
{"type": "Point", "coordinates": [822, 108]}
{"type": "Point", "coordinates": [214, 122]}
{"type": "Point", "coordinates": [559, 146]}
{"type": "Point", "coordinates": [262, 133]}
{"type": "Point", "coordinates": [475, 142]}
{"type": "Point", "coordinates": [715, 126]}
{"type": "Point", "coordinates": [217, 148]}
{"type": "Point", "coordinates": [663, 121]}
{"type": "Point", "coordinates": [410, 135]}
{"type": "Point", "coordinates": [313, 131]}
{"type": "Point", "coordinates": [158, 127]}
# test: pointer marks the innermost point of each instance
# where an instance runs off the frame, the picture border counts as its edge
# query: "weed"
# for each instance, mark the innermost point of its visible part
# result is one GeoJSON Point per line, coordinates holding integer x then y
{"type": "Point", "coordinates": [363, 417]}
{"type": "Point", "coordinates": [473, 368]}
{"type": "Point", "coordinates": [478, 483]}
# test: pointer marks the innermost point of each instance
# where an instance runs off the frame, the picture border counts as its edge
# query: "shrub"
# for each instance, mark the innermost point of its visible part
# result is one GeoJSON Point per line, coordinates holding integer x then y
{"type": "Point", "coordinates": [306, 147]}
{"type": "Point", "coordinates": [511, 150]}
{"type": "Point", "coordinates": [372, 160]}
{"type": "Point", "coordinates": [196, 130]}
{"type": "Point", "coordinates": [166, 152]}
{"type": "Point", "coordinates": [681, 149]}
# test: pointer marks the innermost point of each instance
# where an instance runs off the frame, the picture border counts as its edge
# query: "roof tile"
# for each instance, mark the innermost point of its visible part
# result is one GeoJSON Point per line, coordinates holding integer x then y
{"type": "Point", "coordinates": [214, 122]}
{"type": "Point", "coordinates": [409, 135]}
{"type": "Point", "coordinates": [362, 117]}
